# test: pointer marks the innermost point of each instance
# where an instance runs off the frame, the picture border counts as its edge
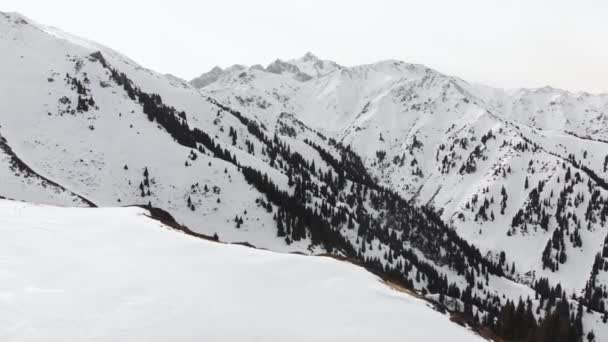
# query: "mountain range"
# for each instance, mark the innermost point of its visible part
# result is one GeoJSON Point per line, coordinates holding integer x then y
{"type": "Point", "coordinates": [489, 203]}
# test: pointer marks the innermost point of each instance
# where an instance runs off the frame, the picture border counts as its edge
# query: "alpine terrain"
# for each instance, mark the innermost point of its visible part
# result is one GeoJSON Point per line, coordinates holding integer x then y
{"type": "Point", "coordinates": [487, 205]}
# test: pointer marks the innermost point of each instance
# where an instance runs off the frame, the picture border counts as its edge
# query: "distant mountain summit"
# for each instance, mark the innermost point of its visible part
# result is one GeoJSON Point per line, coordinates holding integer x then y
{"type": "Point", "coordinates": [213, 75]}
{"type": "Point", "coordinates": [301, 69]}
{"type": "Point", "coordinates": [313, 66]}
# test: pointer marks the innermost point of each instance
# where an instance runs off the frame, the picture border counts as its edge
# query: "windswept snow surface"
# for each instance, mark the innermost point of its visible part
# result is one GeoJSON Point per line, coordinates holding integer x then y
{"type": "Point", "coordinates": [113, 274]}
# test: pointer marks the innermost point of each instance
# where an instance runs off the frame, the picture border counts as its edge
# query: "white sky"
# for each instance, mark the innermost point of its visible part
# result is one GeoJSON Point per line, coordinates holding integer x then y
{"type": "Point", "coordinates": [506, 43]}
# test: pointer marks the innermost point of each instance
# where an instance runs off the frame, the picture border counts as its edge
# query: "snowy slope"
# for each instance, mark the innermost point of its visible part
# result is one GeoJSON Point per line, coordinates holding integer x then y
{"type": "Point", "coordinates": [101, 153]}
{"type": "Point", "coordinates": [20, 181]}
{"type": "Point", "coordinates": [115, 274]}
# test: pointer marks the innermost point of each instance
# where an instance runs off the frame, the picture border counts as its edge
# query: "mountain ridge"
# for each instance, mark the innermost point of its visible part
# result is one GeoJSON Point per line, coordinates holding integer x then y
{"type": "Point", "coordinates": [309, 55]}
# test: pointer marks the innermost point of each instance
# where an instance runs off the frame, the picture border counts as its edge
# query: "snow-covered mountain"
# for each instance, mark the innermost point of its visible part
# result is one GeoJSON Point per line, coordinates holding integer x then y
{"type": "Point", "coordinates": [490, 203]}
{"type": "Point", "coordinates": [507, 169]}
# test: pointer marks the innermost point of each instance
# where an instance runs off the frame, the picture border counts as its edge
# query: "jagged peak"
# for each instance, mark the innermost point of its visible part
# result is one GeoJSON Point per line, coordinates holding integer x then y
{"type": "Point", "coordinates": [280, 67]}
{"type": "Point", "coordinates": [309, 56]}
{"type": "Point", "coordinates": [215, 69]}
{"type": "Point", "coordinates": [312, 65]}
{"type": "Point", "coordinates": [207, 78]}
{"type": "Point", "coordinates": [215, 74]}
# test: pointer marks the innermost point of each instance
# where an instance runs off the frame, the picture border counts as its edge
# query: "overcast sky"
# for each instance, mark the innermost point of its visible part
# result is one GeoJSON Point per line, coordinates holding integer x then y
{"type": "Point", "coordinates": [500, 43]}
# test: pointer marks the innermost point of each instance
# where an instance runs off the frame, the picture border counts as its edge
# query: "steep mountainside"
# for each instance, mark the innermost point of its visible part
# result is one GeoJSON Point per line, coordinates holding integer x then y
{"type": "Point", "coordinates": [391, 165]}
{"type": "Point", "coordinates": [521, 172]}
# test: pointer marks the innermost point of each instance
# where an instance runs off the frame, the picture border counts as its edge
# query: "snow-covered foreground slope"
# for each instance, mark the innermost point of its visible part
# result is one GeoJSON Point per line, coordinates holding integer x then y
{"type": "Point", "coordinates": [114, 274]}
